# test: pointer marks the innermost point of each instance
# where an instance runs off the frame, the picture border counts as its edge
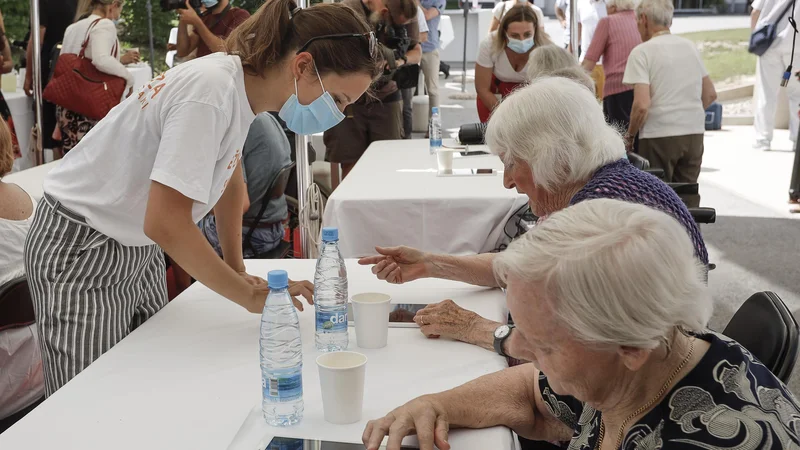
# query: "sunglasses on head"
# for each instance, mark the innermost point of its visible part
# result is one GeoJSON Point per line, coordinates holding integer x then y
{"type": "Point", "coordinates": [372, 42]}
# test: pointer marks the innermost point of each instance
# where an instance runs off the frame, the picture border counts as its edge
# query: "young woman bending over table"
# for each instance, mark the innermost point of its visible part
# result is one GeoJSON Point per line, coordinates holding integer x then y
{"type": "Point", "coordinates": [161, 160]}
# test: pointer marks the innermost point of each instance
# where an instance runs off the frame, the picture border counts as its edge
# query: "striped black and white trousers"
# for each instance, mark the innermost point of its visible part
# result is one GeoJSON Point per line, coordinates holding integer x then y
{"type": "Point", "coordinates": [89, 291]}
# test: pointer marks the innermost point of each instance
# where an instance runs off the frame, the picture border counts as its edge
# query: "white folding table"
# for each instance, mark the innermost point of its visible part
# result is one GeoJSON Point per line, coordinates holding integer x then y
{"type": "Point", "coordinates": [189, 378]}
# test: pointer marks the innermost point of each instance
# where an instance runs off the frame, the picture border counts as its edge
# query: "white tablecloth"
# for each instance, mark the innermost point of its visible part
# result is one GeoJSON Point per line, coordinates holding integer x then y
{"type": "Point", "coordinates": [32, 179]}
{"type": "Point", "coordinates": [142, 74]}
{"type": "Point", "coordinates": [21, 107]}
{"type": "Point", "coordinates": [394, 197]}
{"type": "Point", "coordinates": [189, 377]}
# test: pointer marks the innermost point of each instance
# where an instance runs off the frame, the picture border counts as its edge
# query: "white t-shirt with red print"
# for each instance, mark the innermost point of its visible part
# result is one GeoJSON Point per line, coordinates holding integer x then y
{"type": "Point", "coordinates": [184, 130]}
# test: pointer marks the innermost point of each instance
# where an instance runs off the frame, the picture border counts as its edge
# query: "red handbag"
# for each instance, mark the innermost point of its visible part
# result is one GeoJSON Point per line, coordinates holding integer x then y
{"type": "Point", "coordinates": [78, 86]}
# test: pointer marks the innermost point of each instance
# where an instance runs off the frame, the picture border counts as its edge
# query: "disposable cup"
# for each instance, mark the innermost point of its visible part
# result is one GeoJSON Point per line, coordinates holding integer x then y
{"type": "Point", "coordinates": [371, 314]}
{"type": "Point", "coordinates": [341, 378]}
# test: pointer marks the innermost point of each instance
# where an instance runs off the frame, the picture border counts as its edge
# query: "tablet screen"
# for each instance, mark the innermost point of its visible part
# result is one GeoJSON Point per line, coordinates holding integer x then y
{"type": "Point", "coordinates": [280, 443]}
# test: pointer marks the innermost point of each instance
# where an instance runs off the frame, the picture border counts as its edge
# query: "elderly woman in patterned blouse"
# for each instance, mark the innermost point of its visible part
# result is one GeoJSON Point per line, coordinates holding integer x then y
{"type": "Point", "coordinates": [559, 151]}
{"type": "Point", "coordinates": [620, 360]}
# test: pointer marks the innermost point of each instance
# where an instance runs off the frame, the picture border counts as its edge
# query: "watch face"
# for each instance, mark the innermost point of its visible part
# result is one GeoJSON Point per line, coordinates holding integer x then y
{"type": "Point", "coordinates": [502, 331]}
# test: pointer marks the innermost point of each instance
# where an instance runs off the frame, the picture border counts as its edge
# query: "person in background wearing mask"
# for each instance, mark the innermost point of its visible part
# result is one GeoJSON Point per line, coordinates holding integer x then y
{"type": "Point", "coordinates": [104, 51]}
{"type": "Point", "coordinates": [379, 115]}
{"type": "Point", "coordinates": [502, 8]}
{"type": "Point", "coordinates": [430, 51]}
{"type": "Point", "coordinates": [54, 18]}
{"type": "Point", "coordinates": [137, 185]}
{"type": "Point", "coordinates": [503, 56]}
{"type": "Point", "coordinates": [208, 32]}
{"type": "Point", "coordinates": [408, 93]}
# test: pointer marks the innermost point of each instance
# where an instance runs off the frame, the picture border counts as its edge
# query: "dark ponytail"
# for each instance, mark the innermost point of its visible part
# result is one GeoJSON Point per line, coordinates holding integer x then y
{"type": "Point", "coordinates": [279, 28]}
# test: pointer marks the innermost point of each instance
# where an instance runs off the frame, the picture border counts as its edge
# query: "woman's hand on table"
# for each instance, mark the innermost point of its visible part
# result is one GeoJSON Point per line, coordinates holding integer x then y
{"type": "Point", "coordinates": [423, 416]}
{"type": "Point", "coordinates": [398, 265]}
{"type": "Point", "coordinates": [261, 290]}
{"type": "Point", "coordinates": [446, 319]}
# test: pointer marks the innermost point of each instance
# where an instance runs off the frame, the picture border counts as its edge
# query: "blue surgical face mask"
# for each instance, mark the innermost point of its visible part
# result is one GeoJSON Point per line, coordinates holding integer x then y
{"type": "Point", "coordinates": [210, 3]}
{"type": "Point", "coordinates": [321, 115]}
{"type": "Point", "coordinates": [520, 46]}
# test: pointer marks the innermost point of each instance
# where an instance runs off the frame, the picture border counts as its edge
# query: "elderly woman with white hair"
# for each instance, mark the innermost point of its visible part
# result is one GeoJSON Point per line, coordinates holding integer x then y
{"type": "Point", "coordinates": [671, 90]}
{"type": "Point", "coordinates": [554, 61]}
{"type": "Point", "coordinates": [620, 360]}
{"type": "Point", "coordinates": [614, 39]}
{"type": "Point", "coordinates": [559, 151]}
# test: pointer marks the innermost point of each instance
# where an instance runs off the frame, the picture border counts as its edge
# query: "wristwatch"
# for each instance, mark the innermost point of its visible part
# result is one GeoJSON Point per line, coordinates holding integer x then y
{"type": "Point", "coordinates": [501, 333]}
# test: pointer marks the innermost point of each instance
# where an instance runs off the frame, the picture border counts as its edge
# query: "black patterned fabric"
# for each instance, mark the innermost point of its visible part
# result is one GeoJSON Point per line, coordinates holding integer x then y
{"type": "Point", "coordinates": [728, 401]}
{"type": "Point", "coordinates": [621, 181]}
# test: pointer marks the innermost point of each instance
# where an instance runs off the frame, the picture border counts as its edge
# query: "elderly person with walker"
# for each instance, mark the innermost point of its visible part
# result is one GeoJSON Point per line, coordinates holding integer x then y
{"type": "Point", "coordinates": [559, 151]}
{"type": "Point", "coordinates": [619, 360]}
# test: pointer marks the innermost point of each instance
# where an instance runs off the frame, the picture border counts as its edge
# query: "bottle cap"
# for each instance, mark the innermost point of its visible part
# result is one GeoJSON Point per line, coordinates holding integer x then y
{"type": "Point", "coordinates": [278, 279]}
{"type": "Point", "coordinates": [435, 110]}
{"type": "Point", "coordinates": [330, 234]}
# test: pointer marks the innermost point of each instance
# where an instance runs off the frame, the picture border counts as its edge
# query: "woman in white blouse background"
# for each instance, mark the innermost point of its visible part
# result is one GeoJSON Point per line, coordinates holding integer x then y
{"type": "Point", "coordinates": [503, 57]}
{"type": "Point", "coordinates": [103, 50]}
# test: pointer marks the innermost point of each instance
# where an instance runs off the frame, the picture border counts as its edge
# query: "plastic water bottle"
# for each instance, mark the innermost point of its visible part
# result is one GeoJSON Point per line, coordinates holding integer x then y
{"type": "Point", "coordinates": [281, 355]}
{"type": "Point", "coordinates": [435, 131]}
{"type": "Point", "coordinates": [330, 295]}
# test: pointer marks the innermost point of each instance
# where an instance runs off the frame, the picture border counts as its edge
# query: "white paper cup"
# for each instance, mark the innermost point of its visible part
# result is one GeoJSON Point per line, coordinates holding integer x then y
{"type": "Point", "coordinates": [341, 377]}
{"type": "Point", "coordinates": [444, 159]}
{"type": "Point", "coordinates": [371, 314]}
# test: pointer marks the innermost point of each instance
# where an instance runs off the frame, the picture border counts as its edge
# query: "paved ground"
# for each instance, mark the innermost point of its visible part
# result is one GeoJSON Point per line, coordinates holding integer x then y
{"type": "Point", "coordinates": [754, 242]}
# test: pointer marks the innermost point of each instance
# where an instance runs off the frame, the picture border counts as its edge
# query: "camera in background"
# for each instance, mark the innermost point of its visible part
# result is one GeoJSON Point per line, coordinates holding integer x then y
{"type": "Point", "coordinates": [171, 5]}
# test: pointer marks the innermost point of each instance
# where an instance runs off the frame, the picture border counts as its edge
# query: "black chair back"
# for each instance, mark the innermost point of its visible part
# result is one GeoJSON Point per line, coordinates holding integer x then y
{"type": "Point", "coordinates": [16, 306]}
{"type": "Point", "coordinates": [766, 328]}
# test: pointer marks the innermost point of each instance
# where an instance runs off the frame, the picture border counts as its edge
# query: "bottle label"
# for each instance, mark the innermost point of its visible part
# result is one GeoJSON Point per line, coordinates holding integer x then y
{"type": "Point", "coordinates": [283, 389]}
{"type": "Point", "coordinates": [332, 322]}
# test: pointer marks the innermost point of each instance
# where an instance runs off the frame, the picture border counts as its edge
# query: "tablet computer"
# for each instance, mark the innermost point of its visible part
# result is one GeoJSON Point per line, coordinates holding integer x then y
{"type": "Point", "coordinates": [400, 316]}
{"type": "Point", "coordinates": [281, 443]}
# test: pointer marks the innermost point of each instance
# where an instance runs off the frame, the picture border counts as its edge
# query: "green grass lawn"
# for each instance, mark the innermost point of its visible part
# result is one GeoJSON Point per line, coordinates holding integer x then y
{"type": "Point", "coordinates": [725, 52]}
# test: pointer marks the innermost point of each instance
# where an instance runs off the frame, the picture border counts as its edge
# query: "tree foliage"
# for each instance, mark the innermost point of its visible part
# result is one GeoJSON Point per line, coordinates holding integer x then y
{"type": "Point", "coordinates": [16, 15]}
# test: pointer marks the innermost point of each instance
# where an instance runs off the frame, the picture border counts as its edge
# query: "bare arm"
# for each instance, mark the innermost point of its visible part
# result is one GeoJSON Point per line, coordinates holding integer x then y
{"type": "Point", "coordinates": [641, 106]}
{"type": "Point", "coordinates": [228, 211]}
{"type": "Point", "coordinates": [423, 36]}
{"type": "Point", "coordinates": [709, 94]}
{"type": "Point", "coordinates": [561, 16]}
{"type": "Point", "coordinates": [214, 42]}
{"type": "Point", "coordinates": [187, 42]}
{"type": "Point", "coordinates": [8, 60]}
{"type": "Point", "coordinates": [754, 19]}
{"type": "Point", "coordinates": [187, 246]}
{"type": "Point", "coordinates": [430, 13]}
{"type": "Point", "coordinates": [495, 25]}
{"type": "Point", "coordinates": [472, 269]}
{"type": "Point", "coordinates": [508, 398]}
{"type": "Point", "coordinates": [414, 56]}
{"type": "Point", "coordinates": [483, 86]}
{"type": "Point", "coordinates": [28, 86]}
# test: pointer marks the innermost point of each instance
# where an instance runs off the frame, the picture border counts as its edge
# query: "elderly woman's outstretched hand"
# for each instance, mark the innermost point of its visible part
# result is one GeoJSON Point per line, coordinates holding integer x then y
{"type": "Point", "coordinates": [423, 416]}
{"type": "Point", "coordinates": [397, 265]}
